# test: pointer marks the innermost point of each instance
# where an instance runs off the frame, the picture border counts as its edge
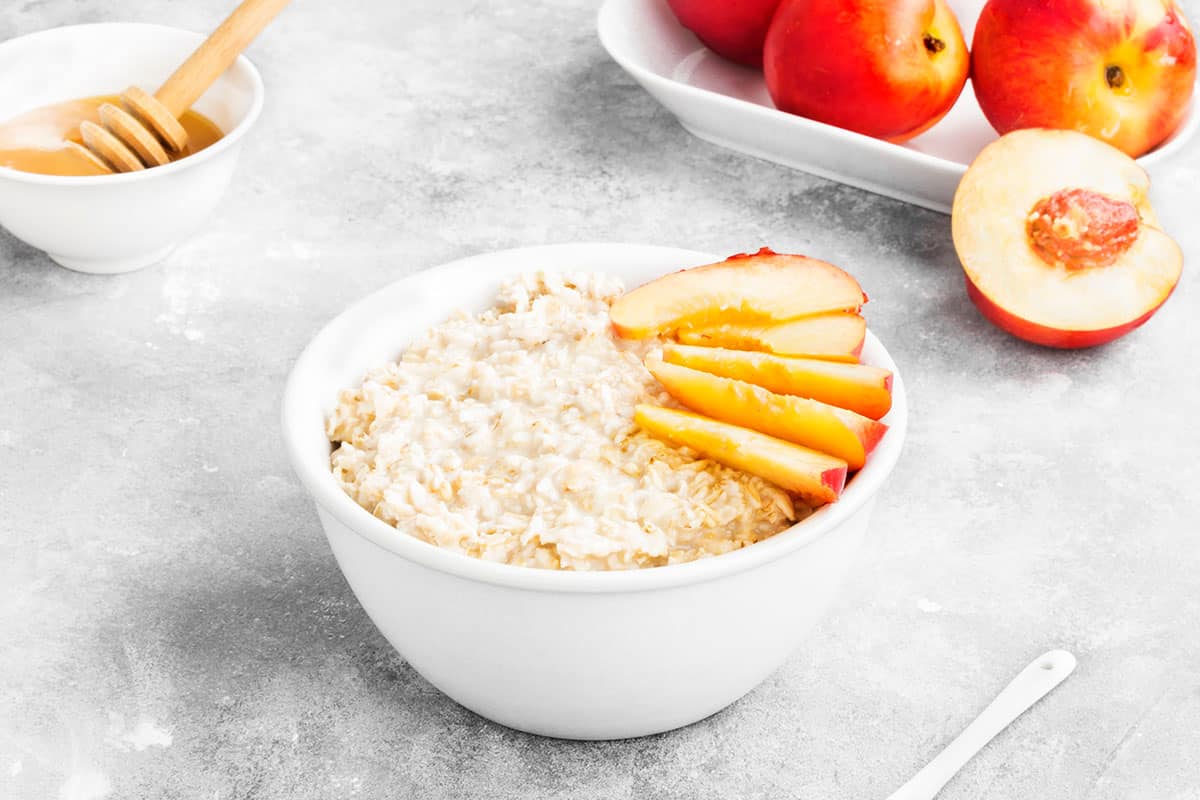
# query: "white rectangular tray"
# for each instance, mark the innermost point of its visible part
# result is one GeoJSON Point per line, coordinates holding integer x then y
{"type": "Point", "coordinates": [728, 105]}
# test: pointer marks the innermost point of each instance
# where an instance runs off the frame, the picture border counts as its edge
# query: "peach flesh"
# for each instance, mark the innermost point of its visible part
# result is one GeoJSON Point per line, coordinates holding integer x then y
{"type": "Point", "coordinates": [817, 478]}
{"type": "Point", "coordinates": [810, 423]}
{"type": "Point", "coordinates": [762, 287]}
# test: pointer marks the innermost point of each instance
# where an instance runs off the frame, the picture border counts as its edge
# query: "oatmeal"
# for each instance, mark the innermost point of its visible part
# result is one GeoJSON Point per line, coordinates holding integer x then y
{"type": "Point", "coordinates": [509, 436]}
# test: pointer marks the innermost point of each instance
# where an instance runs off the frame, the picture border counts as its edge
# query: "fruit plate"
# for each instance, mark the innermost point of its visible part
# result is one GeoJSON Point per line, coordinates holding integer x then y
{"type": "Point", "coordinates": [728, 105]}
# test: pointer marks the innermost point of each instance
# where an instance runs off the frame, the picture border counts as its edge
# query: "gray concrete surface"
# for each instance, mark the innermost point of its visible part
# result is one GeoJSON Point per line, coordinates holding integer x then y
{"type": "Point", "coordinates": [172, 624]}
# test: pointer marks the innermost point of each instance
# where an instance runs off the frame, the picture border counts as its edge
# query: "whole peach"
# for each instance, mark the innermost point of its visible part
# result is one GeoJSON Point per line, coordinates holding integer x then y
{"type": "Point", "coordinates": [734, 29]}
{"type": "Point", "coordinates": [1122, 72]}
{"type": "Point", "coordinates": [886, 68]}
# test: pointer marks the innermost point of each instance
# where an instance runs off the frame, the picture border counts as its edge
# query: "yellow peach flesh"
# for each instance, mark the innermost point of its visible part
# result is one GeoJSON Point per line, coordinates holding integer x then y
{"type": "Point", "coordinates": [861, 388]}
{"type": "Point", "coordinates": [837, 337]}
{"type": "Point", "coordinates": [764, 287]}
{"type": "Point", "coordinates": [815, 477]}
{"type": "Point", "coordinates": [811, 423]}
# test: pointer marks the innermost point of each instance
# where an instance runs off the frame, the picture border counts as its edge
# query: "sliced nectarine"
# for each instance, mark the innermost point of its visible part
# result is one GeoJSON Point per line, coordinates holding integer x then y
{"type": "Point", "coordinates": [764, 287]}
{"type": "Point", "coordinates": [815, 477]}
{"type": "Point", "coordinates": [836, 431]}
{"type": "Point", "coordinates": [858, 387]}
{"type": "Point", "coordinates": [1058, 239]}
{"type": "Point", "coordinates": [835, 337]}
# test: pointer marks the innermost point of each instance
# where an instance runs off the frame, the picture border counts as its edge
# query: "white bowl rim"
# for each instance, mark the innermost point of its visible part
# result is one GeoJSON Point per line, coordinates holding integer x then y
{"type": "Point", "coordinates": [316, 476]}
{"type": "Point", "coordinates": [226, 141]}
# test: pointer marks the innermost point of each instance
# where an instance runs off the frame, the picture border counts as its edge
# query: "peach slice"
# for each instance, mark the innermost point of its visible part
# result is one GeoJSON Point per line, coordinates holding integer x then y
{"type": "Point", "coordinates": [1058, 240]}
{"type": "Point", "coordinates": [862, 388]}
{"type": "Point", "coordinates": [815, 477]}
{"type": "Point", "coordinates": [764, 287]}
{"type": "Point", "coordinates": [836, 337]}
{"type": "Point", "coordinates": [836, 431]}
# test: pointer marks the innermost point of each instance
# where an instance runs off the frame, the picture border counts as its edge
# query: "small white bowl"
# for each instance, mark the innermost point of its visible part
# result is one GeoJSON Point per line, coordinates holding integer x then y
{"type": "Point", "coordinates": [117, 223]}
{"type": "Point", "coordinates": [577, 655]}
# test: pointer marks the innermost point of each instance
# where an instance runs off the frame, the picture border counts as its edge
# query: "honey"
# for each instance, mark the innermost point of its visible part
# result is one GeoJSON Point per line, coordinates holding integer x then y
{"type": "Point", "coordinates": [36, 141]}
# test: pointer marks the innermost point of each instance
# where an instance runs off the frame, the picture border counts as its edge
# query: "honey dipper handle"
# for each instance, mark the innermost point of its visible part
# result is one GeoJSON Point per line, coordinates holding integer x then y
{"type": "Point", "coordinates": [216, 53]}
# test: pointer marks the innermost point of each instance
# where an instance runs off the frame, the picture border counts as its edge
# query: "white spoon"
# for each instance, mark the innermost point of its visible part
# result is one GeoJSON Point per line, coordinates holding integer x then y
{"type": "Point", "coordinates": [1032, 684]}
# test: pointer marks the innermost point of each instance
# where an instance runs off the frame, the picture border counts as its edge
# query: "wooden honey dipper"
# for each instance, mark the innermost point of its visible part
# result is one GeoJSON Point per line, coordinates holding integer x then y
{"type": "Point", "coordinates": [147, 130]}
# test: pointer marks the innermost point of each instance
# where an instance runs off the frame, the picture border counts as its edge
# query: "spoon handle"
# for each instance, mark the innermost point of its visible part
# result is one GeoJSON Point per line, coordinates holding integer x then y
{"type": "Point", "coordinates": [1032, 684]}
{"type": "Point", "coordinates": [216, 53]}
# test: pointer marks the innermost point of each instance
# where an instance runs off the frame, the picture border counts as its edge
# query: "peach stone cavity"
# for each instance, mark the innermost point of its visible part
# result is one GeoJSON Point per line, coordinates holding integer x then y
{"type": "Point", "coordinates": [1082, 229]}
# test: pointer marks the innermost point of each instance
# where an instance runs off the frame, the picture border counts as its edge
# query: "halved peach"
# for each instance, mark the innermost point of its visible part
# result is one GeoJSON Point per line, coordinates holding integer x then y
{"type": "Point", "coordinates": [1058, 241]}
{"type": "Point", "coordinates": [834, 337]}
{"type": "Point", "coordinates": [858, 387]}
{"type": "Point", "coordinates": [815, 477]}
{"type": "Point", "coordinates": [836, 431]}
{"type": "Point", "coordinates": [764, 287]}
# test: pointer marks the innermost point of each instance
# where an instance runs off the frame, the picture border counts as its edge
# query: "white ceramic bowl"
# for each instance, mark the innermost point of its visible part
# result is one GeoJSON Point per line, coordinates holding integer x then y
{"type": "Point", "coordinates": [728, 104]}
{"type": "Point", "coordinates": [117, 223]}
{"type": "Point", "coordinates": [580, 655]}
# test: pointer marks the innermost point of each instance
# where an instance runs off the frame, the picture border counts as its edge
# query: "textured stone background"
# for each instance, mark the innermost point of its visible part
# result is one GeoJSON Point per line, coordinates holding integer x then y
{"type": "Point", "coordinates": [172, 623]}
